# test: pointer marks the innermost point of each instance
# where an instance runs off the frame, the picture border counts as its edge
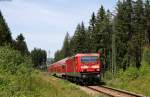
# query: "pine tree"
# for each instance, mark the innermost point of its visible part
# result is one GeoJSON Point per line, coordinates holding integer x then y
{"type": "Point", "coordinates": [92, 32]}
{"type": "Point", "coordinates": [79, 39]}
{"type": "Point", "coordinates": [5, 34]}
{"type": "Point", "coordinates": [138, 34]}
{"type": "Point", "coordinates": [66, 46]}
{"type": "Point", "coordinates": [84, 39]}
{"type": "Point", "coordinates": [100, 27]}
{"type": "Point", "coordinates": [92, 23]}
{"type": "Point", "coordinates": [129, 16]}
{"type": "Point", "coordinates": [58, 55]}
{"type": "Point", "coordinates": [147, 21]}
{"type": "Point", "coordinates": [123, 32]}
{"type": "Point", "coordinates": [107, 39]}
{"type": "Point", "coordinates": [72, 45]}
{"type": "Point", "coordinates": [39, 58]}
{"type": "Point", "coordinates": [21, 44]}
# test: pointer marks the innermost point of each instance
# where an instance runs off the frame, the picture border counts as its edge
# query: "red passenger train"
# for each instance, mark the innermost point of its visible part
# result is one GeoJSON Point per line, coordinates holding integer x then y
{"type": "Point", "coordinates": [79, 68]}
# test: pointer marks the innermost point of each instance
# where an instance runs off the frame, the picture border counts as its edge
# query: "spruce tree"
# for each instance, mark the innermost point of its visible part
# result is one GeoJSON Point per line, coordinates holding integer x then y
{"type": "Point", "coordinates": [123, 32]}
{"type": "Point", "coordinates": [138, 33]}
{"type": "Point", "coordinates": [92, 33]}
{"type": "Point", "coordinates": [21, 44]}
{"type": "Point", "coordinates": [92, 23]}
{"type": "Point", "coordinates": [72, 45]}
{"type": "Point", "coordinates": [129, 16]}
{"type": "Point", "coordinates": [100, 27]}
{"type": "Point", "coordinates": [147, 21]}
{"type": "Point", "coordinates": [5, 34]}
{"type": "Point", "coordinates": [79, 39]}
{"type": "Point", "coordinates": [107, 39]}
{"type": "Point", "coordinates": [66, 46]}
{"type": "Point", "coordinates": [39, 58]}
{"type": "Point", "coordinates": [58, 55]}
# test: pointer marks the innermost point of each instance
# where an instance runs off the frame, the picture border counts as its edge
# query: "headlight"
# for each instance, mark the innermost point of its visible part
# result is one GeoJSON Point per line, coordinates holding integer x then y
{"type": "Point", "coordinates": [97, 69]}
{"type": "Point", "coordinates": [95, 66]}
{"type": "Point", "coordinates": [84, 67]}
{"type": "Point", "coordinates": [83, 76]}
{"type": "Point", "coordinates": [98, 75]}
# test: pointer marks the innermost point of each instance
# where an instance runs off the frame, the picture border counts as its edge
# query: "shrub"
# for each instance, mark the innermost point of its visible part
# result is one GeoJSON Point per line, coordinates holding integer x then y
{"type": "Point", "coordinates": [146, 56]}
{"type": "Point", "coordinates": [145, 69]}
{"type": "Point", "coordinates": [14, 73]}
{"type": "Point", "coordinates": [131, 73]}
{"type": "Point", "coordinates": [108, 75]}
{"type": "Point", "coordinates": [11, 60]}
{"type": "Point", "coordinates": [18, 80]}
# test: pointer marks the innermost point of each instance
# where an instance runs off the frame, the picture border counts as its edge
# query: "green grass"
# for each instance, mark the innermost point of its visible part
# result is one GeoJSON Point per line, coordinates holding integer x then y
{"type": "Point", "coordinates": [49, 86]}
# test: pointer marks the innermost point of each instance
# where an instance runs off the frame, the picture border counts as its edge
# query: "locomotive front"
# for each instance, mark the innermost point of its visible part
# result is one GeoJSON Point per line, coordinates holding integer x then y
{"type": "Point", "coordinates": [90, 66]}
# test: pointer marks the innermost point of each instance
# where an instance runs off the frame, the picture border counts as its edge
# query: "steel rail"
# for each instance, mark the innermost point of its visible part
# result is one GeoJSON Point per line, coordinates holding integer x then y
{"type": "Point", "coordinates": [118, 91]}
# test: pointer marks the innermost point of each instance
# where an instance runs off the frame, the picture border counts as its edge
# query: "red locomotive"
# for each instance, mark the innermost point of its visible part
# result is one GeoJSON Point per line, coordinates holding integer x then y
{"type": "Point", "coordinates": [79, 68]}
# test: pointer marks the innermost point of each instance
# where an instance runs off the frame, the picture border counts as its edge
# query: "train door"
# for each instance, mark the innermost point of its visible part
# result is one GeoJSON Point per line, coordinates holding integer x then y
{"type": "Point", "coordinates": [74, 64]}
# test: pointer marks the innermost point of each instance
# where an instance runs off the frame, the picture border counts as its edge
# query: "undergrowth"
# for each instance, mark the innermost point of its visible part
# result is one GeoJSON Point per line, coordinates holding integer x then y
{"type": "Point", "coordinates": [133, 79]}
{"type": "Point", "coordinates": [19, 79]}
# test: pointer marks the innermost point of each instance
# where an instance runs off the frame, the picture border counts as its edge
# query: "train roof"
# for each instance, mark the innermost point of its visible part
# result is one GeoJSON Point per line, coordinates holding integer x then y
{"type": "Point", "coordinates": [87, 54]}
{"type": "Point", "coordinates": [61, 62]}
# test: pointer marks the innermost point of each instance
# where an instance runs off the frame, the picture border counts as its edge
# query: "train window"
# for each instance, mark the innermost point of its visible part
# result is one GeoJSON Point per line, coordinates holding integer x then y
{"type": "Point", "coordinates": [89, 59]}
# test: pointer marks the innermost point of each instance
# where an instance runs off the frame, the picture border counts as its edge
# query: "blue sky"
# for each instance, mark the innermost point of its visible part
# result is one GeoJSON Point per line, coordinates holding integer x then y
{"type": "Point", "coordinates": [44, 23]}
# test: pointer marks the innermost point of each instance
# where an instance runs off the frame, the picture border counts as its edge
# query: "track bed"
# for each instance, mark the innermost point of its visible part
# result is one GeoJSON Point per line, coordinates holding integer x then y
{"type": "Point", "coordinates": [111, 92]}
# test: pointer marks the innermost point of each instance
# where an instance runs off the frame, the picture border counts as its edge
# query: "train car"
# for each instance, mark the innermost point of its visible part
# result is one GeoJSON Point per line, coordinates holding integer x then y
{"type": "Point", "coordinates": [58, 68]}
{"type": "Point", "coordinates": [79, 68]}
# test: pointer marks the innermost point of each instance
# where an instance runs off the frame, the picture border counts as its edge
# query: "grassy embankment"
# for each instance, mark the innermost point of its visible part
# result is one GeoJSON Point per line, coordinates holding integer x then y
{"type": "Point", "coordinates": [135, 80]}
{"type": "Point", "coordinates": [18, 79]}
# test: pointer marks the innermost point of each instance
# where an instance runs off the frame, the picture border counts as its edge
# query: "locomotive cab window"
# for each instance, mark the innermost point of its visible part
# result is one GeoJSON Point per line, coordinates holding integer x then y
{"type": "Point", "coordinates": [89, 59]}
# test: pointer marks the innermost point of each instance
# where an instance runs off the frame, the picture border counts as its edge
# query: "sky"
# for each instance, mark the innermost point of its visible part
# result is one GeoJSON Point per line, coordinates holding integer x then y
{"type": "Point", "coordinates": [44, 23]}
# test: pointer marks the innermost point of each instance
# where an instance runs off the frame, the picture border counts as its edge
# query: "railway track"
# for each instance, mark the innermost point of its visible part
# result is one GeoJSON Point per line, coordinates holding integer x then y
{"type": "Point", "coordinates": [111, 92]}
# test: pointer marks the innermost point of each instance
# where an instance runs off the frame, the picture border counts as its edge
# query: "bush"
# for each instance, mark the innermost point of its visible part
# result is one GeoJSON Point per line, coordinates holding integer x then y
{"type": "Point", "coordinates": [131, 73]}
{"type": "Point", "coordinates": [18, 80]}
{"type": "Point", "coordinates": [14, 73]}
{"type": "Point", "coordinates": [108, 75]}
{"type": "Point", "coordinates": [146, 56]}
{"type": "Point", "coordinates": [11, 60]}
{"type": "Point", "coordinates": [133, 79]}
{"type": "Point", "coordinates": [145, 69]}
